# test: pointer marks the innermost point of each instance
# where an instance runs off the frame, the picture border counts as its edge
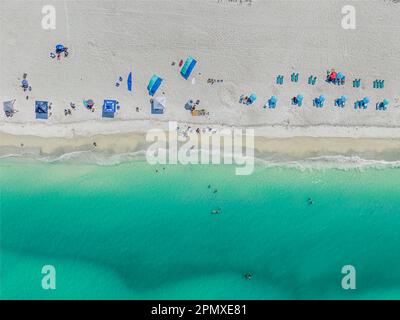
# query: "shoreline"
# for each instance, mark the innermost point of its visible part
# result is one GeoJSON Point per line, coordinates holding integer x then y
{"type": "Point", "coordinates": [116, 126]}
{"type": "Point", "coordinates": [118, 147]}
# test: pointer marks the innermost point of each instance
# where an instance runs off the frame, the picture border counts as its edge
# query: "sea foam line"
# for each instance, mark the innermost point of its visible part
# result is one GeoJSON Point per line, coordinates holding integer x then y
{"type": "Point", "coordinates": [311, 163]}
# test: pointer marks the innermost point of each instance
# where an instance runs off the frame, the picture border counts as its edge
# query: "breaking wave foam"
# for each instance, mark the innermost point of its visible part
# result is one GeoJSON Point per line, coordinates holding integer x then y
{"type": "Point", "coordinates": [333, 162]}
{"type": "Point", "coordinates": [107, 159]}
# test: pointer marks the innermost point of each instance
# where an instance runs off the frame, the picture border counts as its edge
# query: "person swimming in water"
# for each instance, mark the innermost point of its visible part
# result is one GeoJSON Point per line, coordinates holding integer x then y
{"type": "Point", "coordinates": [248, 276]}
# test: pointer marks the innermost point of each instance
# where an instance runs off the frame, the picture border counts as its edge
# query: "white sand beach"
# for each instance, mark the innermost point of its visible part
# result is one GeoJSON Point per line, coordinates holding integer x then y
{"type": "Point", "coordinates": [244, 44]}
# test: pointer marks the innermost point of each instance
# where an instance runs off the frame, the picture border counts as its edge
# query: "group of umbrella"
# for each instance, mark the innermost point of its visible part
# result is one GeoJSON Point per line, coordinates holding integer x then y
{"type": "Point", "coordinates": [111, 106]}
{"type": "Point", "coordinates": [333, 77]}
{"type": "Point", "coordinates": [158, 103]}
{"type": "Point", "coordinates": [317, 102]}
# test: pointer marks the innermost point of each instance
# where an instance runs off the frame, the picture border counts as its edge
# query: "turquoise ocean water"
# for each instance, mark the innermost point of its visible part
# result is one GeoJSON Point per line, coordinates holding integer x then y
{"type": "Point", "coordinates": [130, 232]}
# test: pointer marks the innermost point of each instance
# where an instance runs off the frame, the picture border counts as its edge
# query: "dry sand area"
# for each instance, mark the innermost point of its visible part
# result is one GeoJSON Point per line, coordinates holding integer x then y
{"type": "Point", "coordinates": [245, 45]}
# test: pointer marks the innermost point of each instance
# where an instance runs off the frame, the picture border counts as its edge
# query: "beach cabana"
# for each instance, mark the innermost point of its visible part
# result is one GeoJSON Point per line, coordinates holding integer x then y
{"type": "Point", "coordinates": [188, 67]}
{"type": "Point", "coordinates": [158, 105]}
{"type": "Point", "coordinates": [41, 109]}
{"type": "Point", "coordinates": [8, 107]}
{"type": "Point", "coordinates": [109, 108]}
{"type": "Point", "coordinates": [154, 84]}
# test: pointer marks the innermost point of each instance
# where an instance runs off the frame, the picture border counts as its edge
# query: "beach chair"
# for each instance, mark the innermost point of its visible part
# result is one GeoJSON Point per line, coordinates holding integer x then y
{"type": "Point", "coordinates": [201, 112]}
{"type": "Point", "coordinates": [314, 81]}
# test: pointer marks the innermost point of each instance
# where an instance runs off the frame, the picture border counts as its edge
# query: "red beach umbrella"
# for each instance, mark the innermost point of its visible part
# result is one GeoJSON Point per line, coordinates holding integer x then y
{"type": "Point", "coordinates": [333, 75]}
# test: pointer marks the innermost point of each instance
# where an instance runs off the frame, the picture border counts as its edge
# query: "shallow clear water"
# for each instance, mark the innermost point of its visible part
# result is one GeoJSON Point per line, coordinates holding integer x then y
{"type": "Point", "coordinates": [127, 231]}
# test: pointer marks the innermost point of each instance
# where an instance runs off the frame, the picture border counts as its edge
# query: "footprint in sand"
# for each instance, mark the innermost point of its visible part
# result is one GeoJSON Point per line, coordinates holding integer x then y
{"type": "Point", "coordinates": [228, 94]}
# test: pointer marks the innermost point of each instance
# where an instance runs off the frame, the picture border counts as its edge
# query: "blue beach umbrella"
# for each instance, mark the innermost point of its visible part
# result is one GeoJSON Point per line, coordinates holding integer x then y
{"type": "Point", "coordinates": [322, 98]}
{"type": "Point", "coordinates": [385, 102]}
{"type": "Point", "coordinates": [340, 75]}
{"type": "Point", "coordinates": [366, 100]}
{"type": "Point", "coordinates": [59, 48]}
{"type": "Point", "coordinates": [129, 81]}
{"type": "Point", "coordinates": [272, 101]}
{"type": "Point", "coordinates": [300, 97]}
{"type": "Point", "coordinates": [188, 67]}
{"type": "Point", "coordinates": [153, 85]}
{"type": "Point", "coordinates": [252, 97]}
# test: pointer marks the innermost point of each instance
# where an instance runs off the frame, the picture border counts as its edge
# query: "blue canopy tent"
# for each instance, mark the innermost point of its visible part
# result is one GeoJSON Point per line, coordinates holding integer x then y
{"type": "Point", "coordinates": [153, 85]}
{"type": "Point", "coordinates": [158, 105]}
{"type": "Point", "coordinates": [129, 81]}
{"type": "Point", "coordinates": [109, 108]}
{"type": "Point", "coordinates": [188, 67]}
{"type": "Point", "coordinates": [41, 109]}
